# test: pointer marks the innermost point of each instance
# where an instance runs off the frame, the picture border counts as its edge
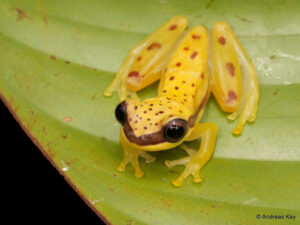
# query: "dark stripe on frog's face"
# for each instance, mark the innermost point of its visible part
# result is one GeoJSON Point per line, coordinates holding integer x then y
{"type": "Point", "coordinates": [146, 139]}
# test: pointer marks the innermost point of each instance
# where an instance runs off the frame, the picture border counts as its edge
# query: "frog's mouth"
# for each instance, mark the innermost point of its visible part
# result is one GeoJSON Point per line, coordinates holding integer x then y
{"type": "Point", "coordinates": [143, 140]}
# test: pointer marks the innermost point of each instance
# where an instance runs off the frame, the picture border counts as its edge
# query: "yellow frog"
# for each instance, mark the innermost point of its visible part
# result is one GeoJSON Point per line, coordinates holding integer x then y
{"type": "Point", "coordinates": [190, 65]}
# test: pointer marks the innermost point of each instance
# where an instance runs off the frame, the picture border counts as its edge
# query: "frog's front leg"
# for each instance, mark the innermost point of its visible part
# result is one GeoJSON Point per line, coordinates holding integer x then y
{"type": "Point", "coordinates": [196, 159]}
{"type": "Point", "coordinates": [234, 79]}
{"type": "Point", "coordinates": [131, 155]}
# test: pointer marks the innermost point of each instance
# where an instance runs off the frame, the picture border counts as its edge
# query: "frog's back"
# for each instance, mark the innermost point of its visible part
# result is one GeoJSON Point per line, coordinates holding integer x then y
{"type": "Point", "coordinates": [185, 77]}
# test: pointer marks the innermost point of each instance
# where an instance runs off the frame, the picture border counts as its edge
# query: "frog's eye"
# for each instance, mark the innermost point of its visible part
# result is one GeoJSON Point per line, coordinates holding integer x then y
{"type": "Point", "coordinates": [175, 130]}
{"type": "Point", "coordinates": [120, 113]}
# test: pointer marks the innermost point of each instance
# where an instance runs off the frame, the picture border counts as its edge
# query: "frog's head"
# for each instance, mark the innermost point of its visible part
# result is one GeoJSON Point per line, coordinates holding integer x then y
{"type": "Point", "coordinates": [156, 123]}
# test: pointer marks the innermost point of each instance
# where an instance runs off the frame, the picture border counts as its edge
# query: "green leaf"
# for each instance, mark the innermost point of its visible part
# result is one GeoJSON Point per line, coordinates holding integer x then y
{"type": "Point", "coordinates": [58, 56]}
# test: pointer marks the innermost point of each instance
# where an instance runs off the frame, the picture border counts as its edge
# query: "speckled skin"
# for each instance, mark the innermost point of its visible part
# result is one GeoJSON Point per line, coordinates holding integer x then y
{"type": "Point", "coordinates": [179, 95]}
{"type": "Point", "coordinates": [188, 70]}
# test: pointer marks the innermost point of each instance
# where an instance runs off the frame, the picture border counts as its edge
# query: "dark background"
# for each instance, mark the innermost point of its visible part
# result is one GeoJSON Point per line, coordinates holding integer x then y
{"type": "Point", "coordinates": [34, 192]}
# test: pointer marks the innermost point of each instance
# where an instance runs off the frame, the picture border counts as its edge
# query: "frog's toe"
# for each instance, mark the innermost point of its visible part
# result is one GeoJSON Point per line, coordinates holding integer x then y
{"type": "Point", "coordinates": [122, 166]}
{"type": "Point", "coordinates": [192, 167]}
{"type": "Point", "coordinates": [197, 178]}
{"type": "Point", "coordinates": [182, 161]}
{"type": "Point", "coordinates": [132, 156]}
{"type": "Point", "coordinates": [149, 158]}
{"type": "Point", "coordinates": [138, 172]}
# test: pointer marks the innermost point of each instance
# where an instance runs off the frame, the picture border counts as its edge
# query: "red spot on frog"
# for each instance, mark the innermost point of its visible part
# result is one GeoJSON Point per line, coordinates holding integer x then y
{"type": "Point", "coordinates": [195, 37]}
{"type": "Point", "coordinates": [230, 68]}
{"type": "Point", "coordinates": [222, 40]}
{"type": "Point", "coordinates": [231, 96]}
{"type": "Point", "coordinates": [139, 58]}
{"type": "Point", "coordinates": [154, 45]}
{"type": "Point", "coordinates": [133, 74]}
{"type": "Point", "coordinates": [173, 27]}
{"type": "Point", "coordinates": [193, 55]}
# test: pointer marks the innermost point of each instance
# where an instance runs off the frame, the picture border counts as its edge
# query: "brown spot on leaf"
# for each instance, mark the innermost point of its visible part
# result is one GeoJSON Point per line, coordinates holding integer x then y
{"type": "Point", "coordinates": [68, 119]}
{"type": "Point", "coordinates": [21, 14]}
{"type": "Point", "coordinates": [52, 57]}
{"type": "Point", "coordinates": [94, 96]}
{"type": "Point", "coordinates": [243, 19]}
{"type": "Point", "coordinates": [275, 92]}
{"type": "Point", "coordinates": [154, 45]}
{"type": "Point", "coordinates": [46, 85]}
{"type": "Point", "coordinates": [45, 20]}
{"type": "Point", "coordinates": [67, 62]}
{"type": "Point", "coordinates": [209, 4]}
{"type": "Point", "coordinates": [231, 69]}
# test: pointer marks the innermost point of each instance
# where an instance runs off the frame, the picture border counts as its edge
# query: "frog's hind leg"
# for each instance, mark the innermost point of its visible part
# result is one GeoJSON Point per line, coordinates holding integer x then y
{"type": "Point", "coordinates": [145, 62]}
{"type": "Point", "coordinates": [131, 155]}
{"type": "Point", "coordinates": [196, 159]}
{"type": "Point", "coordinates": [234, 79]}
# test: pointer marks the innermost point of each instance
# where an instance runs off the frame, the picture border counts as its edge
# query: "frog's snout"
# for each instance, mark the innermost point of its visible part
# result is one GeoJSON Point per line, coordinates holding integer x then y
{"type": "Point", "coordinates": [121, 113]}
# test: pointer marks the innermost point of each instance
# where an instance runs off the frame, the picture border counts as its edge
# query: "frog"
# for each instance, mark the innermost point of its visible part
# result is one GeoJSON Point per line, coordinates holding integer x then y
{"type": "Point", "coordinates": [190, 65]}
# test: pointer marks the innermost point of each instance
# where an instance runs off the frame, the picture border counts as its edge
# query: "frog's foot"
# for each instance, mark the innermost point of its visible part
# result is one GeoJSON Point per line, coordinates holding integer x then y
{"type": "Point", "coordinates": [118, 85]}
{"type": "Point", "coordinates": [132, 157]}
{"type": "Point", "coordinates": [192, 166]}
{"type": "Point", "coordinates": [247, 112]}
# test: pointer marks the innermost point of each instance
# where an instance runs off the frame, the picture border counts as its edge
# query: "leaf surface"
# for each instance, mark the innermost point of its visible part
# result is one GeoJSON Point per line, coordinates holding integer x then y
{"type": "Point", "coordinates": [56, 59]}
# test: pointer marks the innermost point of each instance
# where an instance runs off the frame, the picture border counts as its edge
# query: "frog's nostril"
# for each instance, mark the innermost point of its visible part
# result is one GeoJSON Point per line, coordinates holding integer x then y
{"type": "Point", "coordinates": [120, 112]}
